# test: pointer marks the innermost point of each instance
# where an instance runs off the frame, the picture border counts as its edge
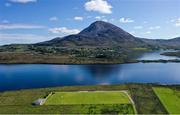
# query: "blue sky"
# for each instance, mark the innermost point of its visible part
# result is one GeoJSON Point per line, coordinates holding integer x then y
{"type": "Point", "coordinates": [31, 21]}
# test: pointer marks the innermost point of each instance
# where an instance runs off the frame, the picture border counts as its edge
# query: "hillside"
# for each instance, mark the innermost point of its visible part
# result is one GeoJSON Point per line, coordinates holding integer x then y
{"type": "Point", "coordinates": [100, 43]}
{"type": "Point", "coordinates": [169, 43]}
{"type": "Point", "coordinates": [98, 33]}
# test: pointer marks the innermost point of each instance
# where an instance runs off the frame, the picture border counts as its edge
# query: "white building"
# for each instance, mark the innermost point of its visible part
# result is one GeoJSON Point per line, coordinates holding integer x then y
{"type": "Point", "coordinates": [39, 102]}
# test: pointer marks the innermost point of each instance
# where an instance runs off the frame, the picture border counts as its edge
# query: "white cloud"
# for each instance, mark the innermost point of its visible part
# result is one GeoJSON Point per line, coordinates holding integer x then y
{"type": "Point", "coordinates": [19, 26]}
{"type": "Point", "coordinates": [138, 27]}
{"type": "Point", "coordinates": [54, 18]}
{"type": "Point", "coordinates": [148, 32]}
{"type": "Point", "coordinates": [174, 36]}
{"type": "Point", "coordinates": [177, 24]}
{"type": "Point", "coordinates": [63, 30]}
{"type": "Point", "coordinates": [6, 38]}
{"type": "Point", "coordinates": [99, 17]}
{"type": "Point", "coordinates": [78, 18]}
{"type": "Point", "coordinates": [7, 4]}
{"type": "Point", "coordinates": [23, 1]}
{"type": "Point", "coordinates": [101, 6]}
{"type": "Point", "coordinates": [126, 20]}
{"type": "Point", "coordinates": [154, 27]}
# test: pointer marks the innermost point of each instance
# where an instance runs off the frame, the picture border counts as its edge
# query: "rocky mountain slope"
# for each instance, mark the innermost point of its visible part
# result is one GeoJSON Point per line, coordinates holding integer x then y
{"type": "Point", "coordinates": [98, 33]}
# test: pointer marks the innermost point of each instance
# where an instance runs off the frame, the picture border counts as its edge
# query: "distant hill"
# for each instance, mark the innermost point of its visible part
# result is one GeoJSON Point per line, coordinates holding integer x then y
{"type": "Point", "coordinates": [169, 43]}
{"type": "Point", "coordinates": [98, 33]}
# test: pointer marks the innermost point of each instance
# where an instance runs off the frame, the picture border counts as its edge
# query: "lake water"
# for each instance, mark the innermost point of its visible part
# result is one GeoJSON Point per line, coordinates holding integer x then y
{"type": "Point", "coordinates": [156, 55]}
{"type": "Point", "coordinates": [13, 77]}
{"type": "Point", "coordinates": [35, 76]}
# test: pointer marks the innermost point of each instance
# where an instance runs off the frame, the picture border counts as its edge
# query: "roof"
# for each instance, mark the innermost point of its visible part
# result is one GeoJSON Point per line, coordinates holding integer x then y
{"type": "Point", "coordinates": [39, 102]}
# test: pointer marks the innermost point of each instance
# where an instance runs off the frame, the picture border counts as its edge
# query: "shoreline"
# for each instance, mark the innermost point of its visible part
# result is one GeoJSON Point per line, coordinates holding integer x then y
{"type": "Point", "coordinates": [86, 86]}
{"type": "Point", "coordinates": [100, 63]}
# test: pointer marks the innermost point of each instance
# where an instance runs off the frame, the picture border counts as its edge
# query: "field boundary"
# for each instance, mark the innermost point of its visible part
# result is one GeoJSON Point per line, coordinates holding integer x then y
{"type": "Point", "coordinates": [164, 103]}
{"type": "Point", "coordinates": [133, 104]}
{"type": "Point", "coordinates": [123, 91]}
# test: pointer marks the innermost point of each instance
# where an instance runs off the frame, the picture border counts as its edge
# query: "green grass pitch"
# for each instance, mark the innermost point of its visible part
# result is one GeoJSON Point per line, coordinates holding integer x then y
{"type": "Point", "coordinates": [97, 97]}
{"type": "Point", "coordinates": [169, 98]}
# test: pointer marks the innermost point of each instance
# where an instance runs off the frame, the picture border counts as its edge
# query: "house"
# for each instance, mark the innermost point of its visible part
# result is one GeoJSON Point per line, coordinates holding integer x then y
{"type": "Point", "coordinates": [39, 102]}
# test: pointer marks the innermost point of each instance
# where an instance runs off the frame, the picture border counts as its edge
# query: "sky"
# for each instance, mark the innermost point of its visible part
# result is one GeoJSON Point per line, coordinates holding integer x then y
{"type": "Point", "coordinates": [31, 21]}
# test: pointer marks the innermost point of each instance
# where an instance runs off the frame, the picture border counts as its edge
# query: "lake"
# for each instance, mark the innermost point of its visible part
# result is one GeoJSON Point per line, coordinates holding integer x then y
{"type": "Point", "coordinates": [25, 76]}
{"type": "Point", "coordinates": [14, 77]}
{"type": "Point", "coordinates": [155, 55]}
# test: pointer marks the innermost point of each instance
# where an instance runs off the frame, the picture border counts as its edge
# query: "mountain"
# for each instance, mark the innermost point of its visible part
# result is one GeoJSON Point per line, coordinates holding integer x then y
{"type": "Point", "coordinates": [98, 33]}
{"type": "Point", "coordinates": [174, 39]}
{"type": "Point", "coordinates": [169, 43]}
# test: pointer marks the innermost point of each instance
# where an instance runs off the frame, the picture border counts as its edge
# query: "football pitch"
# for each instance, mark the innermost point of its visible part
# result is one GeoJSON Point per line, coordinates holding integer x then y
{"type": "Point", "coordinates": [93, 97]}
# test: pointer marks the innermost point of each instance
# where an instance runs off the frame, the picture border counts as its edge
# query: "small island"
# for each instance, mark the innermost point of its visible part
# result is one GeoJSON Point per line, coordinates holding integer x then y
{"type": "Point", "coordinates": [177, 54]}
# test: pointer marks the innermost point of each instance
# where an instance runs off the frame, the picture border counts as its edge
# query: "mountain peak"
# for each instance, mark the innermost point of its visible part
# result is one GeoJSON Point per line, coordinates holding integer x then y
{"type": "Point", "coordinates": [101, 28]}
{"type": "Point", "coordinates": [98, 33]}
{"type": "Point", "coordinates": [101, 23]}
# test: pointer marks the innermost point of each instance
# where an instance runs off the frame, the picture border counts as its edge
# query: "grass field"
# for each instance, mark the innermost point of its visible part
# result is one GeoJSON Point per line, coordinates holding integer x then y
{"type": "Point", "coordinates": [170, 99]}
{"type": "Point", "coordinates": [20, 102]}
{"type": "Point", "coordinates": [97, 97]}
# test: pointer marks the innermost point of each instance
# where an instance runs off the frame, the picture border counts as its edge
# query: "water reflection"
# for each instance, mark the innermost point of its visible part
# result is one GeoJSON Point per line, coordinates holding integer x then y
{"type": "Point", "coordinates": [102, 71]}
{"type": "Point", "coordinates": [36, 76]}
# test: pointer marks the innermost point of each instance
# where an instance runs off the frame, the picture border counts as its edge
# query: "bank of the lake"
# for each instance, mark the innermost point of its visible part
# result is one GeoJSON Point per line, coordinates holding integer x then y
{"type": "Point", "coordinates": [130, 56]}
